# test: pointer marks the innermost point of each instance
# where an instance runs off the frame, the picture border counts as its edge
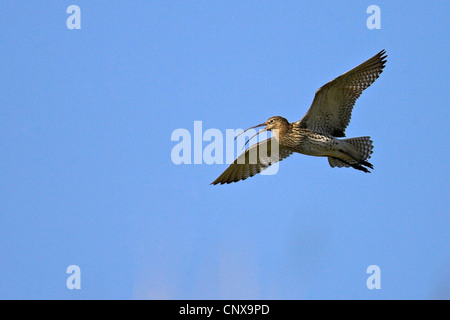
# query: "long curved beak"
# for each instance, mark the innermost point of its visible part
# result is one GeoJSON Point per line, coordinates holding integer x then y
{"type": "Point", "coordinates": [259, 125]}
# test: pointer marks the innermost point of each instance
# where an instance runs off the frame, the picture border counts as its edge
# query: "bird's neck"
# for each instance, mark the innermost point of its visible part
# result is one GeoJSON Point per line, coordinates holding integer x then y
{"type": "Point", "coordinates": [281, 133]}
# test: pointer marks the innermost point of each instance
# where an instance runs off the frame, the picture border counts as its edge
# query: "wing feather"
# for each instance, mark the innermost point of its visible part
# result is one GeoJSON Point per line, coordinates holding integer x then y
{"type": "Point", "coordinates": [331, 109]}
{"type": "Point", "coordinates": [254, 160]}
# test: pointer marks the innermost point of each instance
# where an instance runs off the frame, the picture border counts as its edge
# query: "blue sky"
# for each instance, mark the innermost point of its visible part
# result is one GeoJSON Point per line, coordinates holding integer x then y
{"type": "Point", "coordinates": [86, 171]}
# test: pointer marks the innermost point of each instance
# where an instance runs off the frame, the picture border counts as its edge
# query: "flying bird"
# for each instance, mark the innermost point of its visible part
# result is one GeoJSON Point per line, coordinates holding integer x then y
{"type": "Point", "coordinates": [318, 132]}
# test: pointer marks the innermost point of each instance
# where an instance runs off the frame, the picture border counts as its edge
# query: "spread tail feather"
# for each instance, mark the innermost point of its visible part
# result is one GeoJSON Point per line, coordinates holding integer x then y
{"type": "Point", "coordinates": [363, 146]}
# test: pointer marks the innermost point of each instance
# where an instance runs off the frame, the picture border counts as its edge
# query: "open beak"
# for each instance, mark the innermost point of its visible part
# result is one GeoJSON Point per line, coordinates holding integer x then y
{"type": "Point", "coordinates": [259, 125]}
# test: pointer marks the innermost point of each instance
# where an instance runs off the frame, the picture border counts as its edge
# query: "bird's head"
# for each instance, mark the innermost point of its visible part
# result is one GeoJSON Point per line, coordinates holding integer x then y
{"type": "Point", "coordinates": [273, 123]}
{"type": "Point", "coordinates": [276, 122]}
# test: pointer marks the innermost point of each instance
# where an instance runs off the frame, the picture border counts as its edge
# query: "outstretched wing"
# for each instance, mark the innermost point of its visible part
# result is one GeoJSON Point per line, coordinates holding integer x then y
{"type": "Point", "coordinates": [254, 160]}
{"type": "Point", "coordinates": [332, 106]}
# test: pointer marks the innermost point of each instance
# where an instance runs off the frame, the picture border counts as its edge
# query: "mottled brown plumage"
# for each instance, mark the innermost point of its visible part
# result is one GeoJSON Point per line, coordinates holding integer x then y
{"type": "Point", "coordinates": [317, 133]}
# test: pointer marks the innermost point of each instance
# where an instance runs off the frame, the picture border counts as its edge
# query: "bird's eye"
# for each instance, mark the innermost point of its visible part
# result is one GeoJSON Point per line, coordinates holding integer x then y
{"type": "Point", "coordinates": [271, 121]}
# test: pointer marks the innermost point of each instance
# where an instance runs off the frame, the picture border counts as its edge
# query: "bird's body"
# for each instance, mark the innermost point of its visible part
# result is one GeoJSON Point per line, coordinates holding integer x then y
{"type": "Point", "coordinates": [319, 133]}
{"type": "Point", "coordinates": [304, 141]}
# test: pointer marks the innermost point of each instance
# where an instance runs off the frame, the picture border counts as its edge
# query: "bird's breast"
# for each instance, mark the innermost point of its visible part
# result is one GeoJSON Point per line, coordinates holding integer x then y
{"type": "Point", "coordinates": [307, 142]}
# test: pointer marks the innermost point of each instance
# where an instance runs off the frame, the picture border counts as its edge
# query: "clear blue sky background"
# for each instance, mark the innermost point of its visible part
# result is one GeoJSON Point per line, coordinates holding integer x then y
{"type": "Point", "coordinates": [87, 178]}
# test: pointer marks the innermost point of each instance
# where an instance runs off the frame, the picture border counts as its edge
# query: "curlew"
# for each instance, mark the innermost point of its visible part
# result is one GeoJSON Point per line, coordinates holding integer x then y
{"type": "Point", "coordinates": [319, 133]}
